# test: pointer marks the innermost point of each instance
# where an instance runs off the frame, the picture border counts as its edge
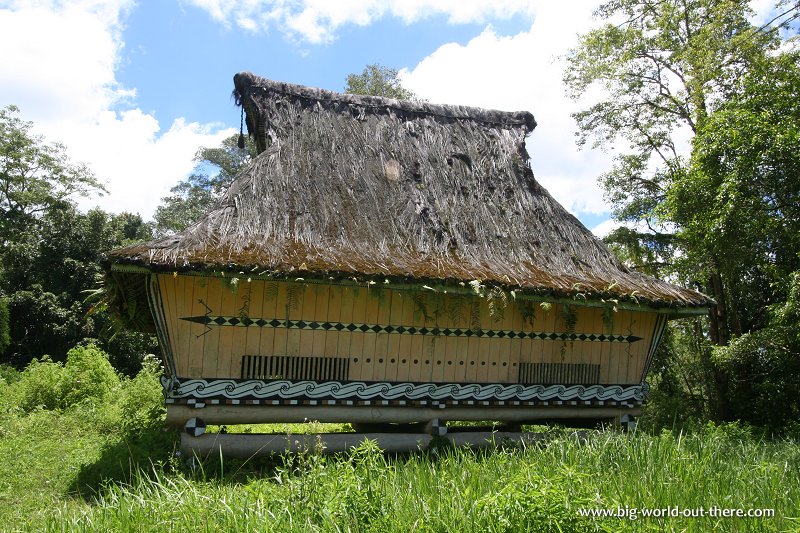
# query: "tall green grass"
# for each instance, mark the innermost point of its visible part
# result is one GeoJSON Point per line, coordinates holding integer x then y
{"type": "Point", "coordinates": [536, 488]}
{"type": "Point", "coordinates": [95, 458]}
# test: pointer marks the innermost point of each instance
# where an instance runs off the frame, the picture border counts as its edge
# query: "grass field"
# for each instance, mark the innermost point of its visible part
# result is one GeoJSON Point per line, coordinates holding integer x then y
{"type": "Point", "coordinates": [85, 466]}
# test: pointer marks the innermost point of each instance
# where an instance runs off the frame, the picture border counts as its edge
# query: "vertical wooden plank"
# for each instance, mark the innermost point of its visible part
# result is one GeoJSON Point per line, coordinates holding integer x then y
{"type": "Point", "coordinates": [295, 296]}
{"type": "Point", "coordinates": [644, 328]}
{"type": "Point", "coordinates": [345, 337]}
{"type": "Point", "coordinates": [595, 328]}
{"type": "Point", "coordinates": [536, 319]}
{"type": "Point", "coordinates": [357, 337]}
{"type": "Point", "coordinates": [387, 363]}
{"type": "Point", "coordinates": [241, 311]}
{"type": "Point", "coordinates": [515, 344]}
{"type": "Point", "coordinates": [333, 315]}
{"type": "Point", "coordinates": [473, 359]}
{"type": "Point", "coordinates": [458, 347]}
{"type": "Point", "coordinates": [435, 348]}
{"type": "Point", "coordinates": [183, 328]}
{"type": "Point", "coordinates": [437, 345]}
{"type": "Point", "coordinates": [424, 318]}
{"type": "Point", "coordinates": [372, 303]}
{"type": "Point", "coordinates": [279, 334]}
{"type": "Point", "coordinates": [401, 316]}
{"type": "Point", "coordinates": [269, 294]}
{"type": "Point", "coordinates": [630, 349]}
{"type": "Point", "coordinates": [320, 315]}
{"type": "Point", "coordinates": [412, 343]}
{"type": "Point", "coordinates": [453, 372]}
{"type": "Point", "coordinates": [617, 349]}
{"type": "Point", "coordinates": [166, 286]}
{"type": "Point", "coordinates": [227, 308]}
{"type": "Point", "coordinates": [555, 324]}
{"type": "Point", "coordinates": [253, 333]}
{"type": "Point", "coordinates": [197, 332]}
{"type": "Point", "coordinates": [398, 361]}
{"type": "Point", "coordinates": [305, 312]}
{"type": "Point", "coordinates": [503, 344]}
{"type": "Point", "coordinates": [488, 349]}
{"type": "Point", "coordinates": [175, 310]}
{"type": "Point", "coordinates": [211, 333]}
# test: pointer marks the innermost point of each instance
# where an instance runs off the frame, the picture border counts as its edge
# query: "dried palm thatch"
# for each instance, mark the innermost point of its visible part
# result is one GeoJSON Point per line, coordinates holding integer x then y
{"type": "Point", "coordinates": [355, 185]}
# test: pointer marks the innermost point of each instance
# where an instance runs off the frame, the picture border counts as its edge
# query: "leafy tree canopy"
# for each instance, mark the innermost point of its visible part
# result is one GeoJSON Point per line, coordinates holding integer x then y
{"type": "Point", "coordinates": [214, 170]}
{"type": "Point", "coordinates": [34, 176]}
{"type": "Point", "coordinates": [703, 107]}
{"type": "Point", "coordinates": [378, 80]}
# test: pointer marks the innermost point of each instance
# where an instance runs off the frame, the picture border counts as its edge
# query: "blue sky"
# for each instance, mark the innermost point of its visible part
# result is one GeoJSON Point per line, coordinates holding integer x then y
{"type": "Point", "coordinates": [133, 89]}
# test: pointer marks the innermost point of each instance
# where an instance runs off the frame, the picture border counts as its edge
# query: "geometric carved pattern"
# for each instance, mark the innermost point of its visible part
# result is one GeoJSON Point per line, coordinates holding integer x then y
{"type": "Point", "coordinates": [549, 373]}
{"type": "Point", "coordinates": [254, 389]}
{"type": "Point", "coordinates": [294, 367]}
{"type": "Point", "coordinates": [313, 325]}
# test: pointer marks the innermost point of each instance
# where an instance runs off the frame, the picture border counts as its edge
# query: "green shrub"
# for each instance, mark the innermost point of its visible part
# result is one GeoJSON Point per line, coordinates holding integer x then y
{"type": "Point", "coordinates": [9, 374]}
{"type": "Point", "coordinates": [141, 399]}
{"type": "Point", "coordinates": [41, 385]}
{"type": "Point", "coordinates": [87, 376]}
{"type": "Point", "coordinates": [5, 328]}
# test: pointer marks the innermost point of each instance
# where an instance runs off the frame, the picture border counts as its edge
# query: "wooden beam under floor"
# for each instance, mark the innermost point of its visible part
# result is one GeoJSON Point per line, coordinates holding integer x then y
{"type": "Point", "coordinates": [251, 445]}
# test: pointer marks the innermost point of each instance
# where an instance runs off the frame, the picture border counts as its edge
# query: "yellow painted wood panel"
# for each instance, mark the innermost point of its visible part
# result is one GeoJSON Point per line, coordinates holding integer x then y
{"type": "Point", "coordinates": [241, 311]}
{"type": "Point", "coordinates": [343, 348]}
{"type": "Point", "coordinates": [270, 300]}
{"type": "Point", "coordinates": [594, 348]}
{"type": "Point", "coordinates": [253, 344]}
{"type": "Point", "coordinates": [210, 335]}
{"type": "Point", "coordinates": [381, 306]}
{"type": "Point", "coordinates": [357, 338]}
{"type": "Point", "coordinates": [280, 335]}
{"type": "Point", "coordinates": [369, 340]}
{"type": "Point", "coordinates": [321, 314]}
{"type": "Point", "coordinates": [411, 371]}
{"type": "Point", "coordinates": [225, 335]}
{"type": "Point", "coordinates": [334, 315]}
{"type": "Point", "coordinates": [307, 310]}
{"type": "Point", "coordinates": [202, 351]}
{"type": "Point", "coordinates": [167, 295]}
{"type": "Point", "coordinates": [295, 296]}
{"type": "Point", "coordinates": [397, 370]}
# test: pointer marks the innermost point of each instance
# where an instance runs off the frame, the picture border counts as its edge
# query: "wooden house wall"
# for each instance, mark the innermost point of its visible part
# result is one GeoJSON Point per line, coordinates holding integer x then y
{"type": "Point", "coordinates": [212, 323]}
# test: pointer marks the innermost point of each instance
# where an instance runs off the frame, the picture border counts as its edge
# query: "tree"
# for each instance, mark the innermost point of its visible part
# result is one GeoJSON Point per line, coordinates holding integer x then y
{"type": "Point", "coordinates": [34, 176]}
{"type": "Point", "coordinates": [665, 68]}
{"type": "Point", "coordinates": [378, 80]}
{"type": "Point", "coordinates": [48, 274]}
{"type": "Point", "coordinates": [739, 199]}
{"type": "Point", "coordinates": [215, 169]}
{"type": "Point", "coordinates": [712, 216]}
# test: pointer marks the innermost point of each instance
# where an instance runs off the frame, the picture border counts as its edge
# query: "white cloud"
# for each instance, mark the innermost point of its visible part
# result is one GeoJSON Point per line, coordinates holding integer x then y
{"type": "Point", "coordinates": [523, 72]}
{"type": "Point", "coordinates": [606, 227]}
{"type": "Point", "coordinates": [316, 21]}
{"type": "Point", "coordinates": [61, 74]}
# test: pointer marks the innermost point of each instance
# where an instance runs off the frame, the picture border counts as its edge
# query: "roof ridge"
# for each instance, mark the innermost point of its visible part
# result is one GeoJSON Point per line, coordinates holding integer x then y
{"type": "Point", "coordinates": [244, 83]}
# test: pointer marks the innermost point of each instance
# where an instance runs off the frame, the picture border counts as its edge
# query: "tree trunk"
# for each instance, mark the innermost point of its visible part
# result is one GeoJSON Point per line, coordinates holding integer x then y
{"type": "Point", "coordinates": [720, 336]}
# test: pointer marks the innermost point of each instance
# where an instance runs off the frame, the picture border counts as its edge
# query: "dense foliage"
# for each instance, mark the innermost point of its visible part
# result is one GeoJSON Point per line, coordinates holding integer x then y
{"type": "Point", "coordinates": [191, 197]}
{"type": "Point", "coordinates": [378, 80]}
{"type": "Point", "coordinates": [51, 252]}
{"type": "Point", "coordinates": [719, 213]}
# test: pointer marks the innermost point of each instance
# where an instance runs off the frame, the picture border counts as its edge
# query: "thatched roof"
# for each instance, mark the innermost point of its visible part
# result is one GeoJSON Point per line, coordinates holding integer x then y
{"type": "Point", "coordinates": [350, 185]}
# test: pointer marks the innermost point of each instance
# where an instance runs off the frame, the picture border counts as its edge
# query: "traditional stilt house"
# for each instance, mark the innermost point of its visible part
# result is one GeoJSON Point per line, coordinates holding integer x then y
{"type": "Point", "coordinates": [391, 261]}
